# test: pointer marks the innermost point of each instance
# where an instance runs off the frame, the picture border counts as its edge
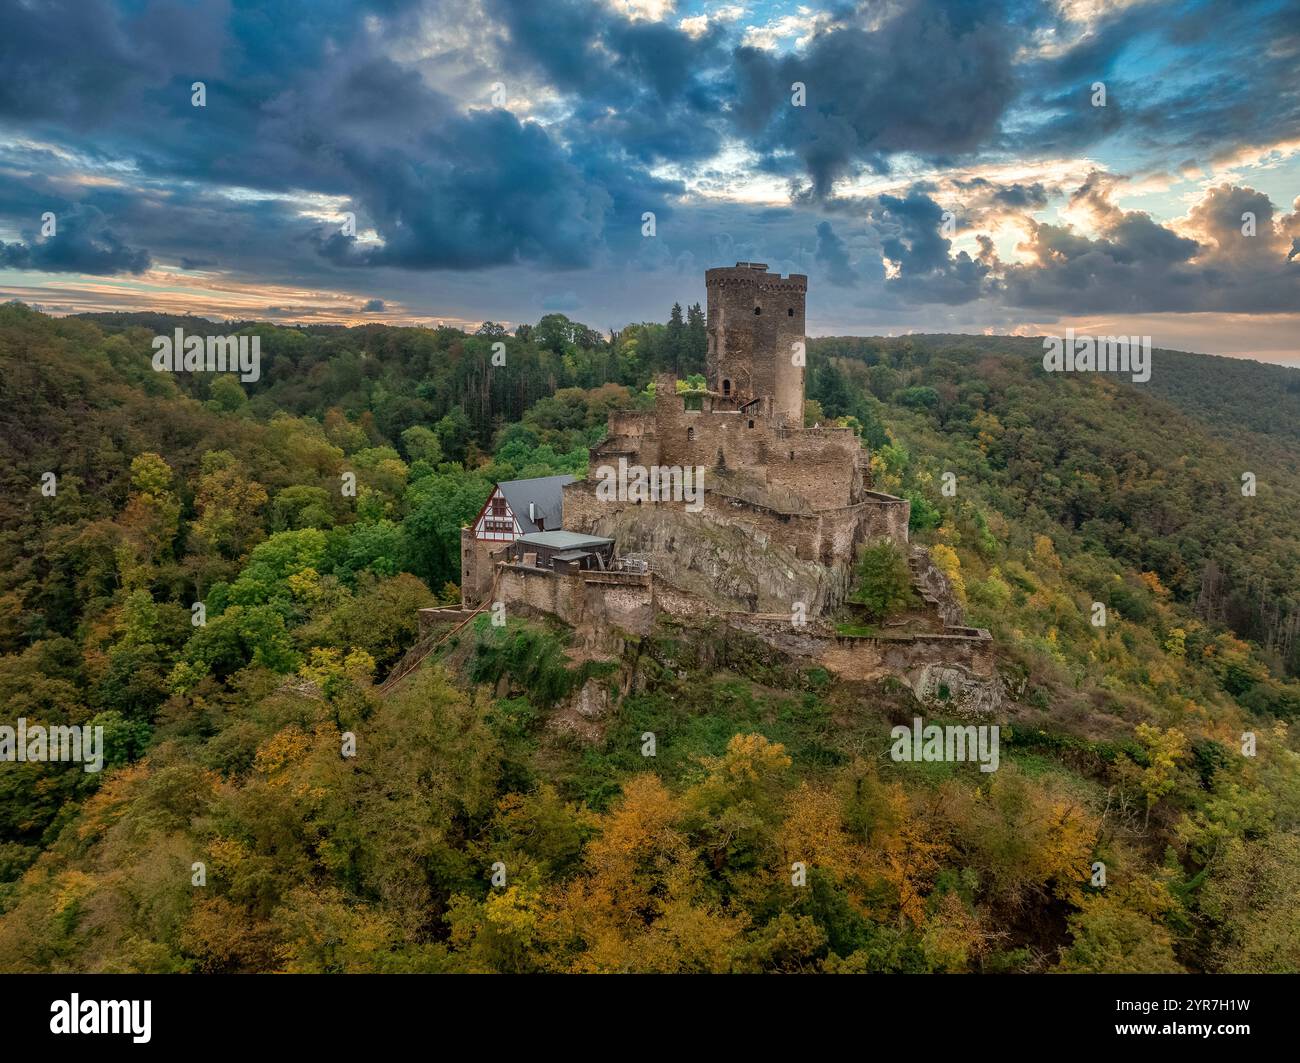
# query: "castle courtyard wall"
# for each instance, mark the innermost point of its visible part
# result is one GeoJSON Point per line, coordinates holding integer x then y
{"type": "Point", "coordinates": [593, 603]}
{"type": "Point", "coordinates": [829, 537]}
{"type": "Point", "coordinates": [825, 467]}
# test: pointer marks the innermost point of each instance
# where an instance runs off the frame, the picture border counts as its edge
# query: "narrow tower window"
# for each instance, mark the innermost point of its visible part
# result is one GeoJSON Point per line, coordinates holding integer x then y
{"type": "Point", "coordinates": [690, 434]}
{"type": "Point", "coordinates": [790, 312]}
{"type": "Point", "coordinates": [758, 310]}
{"type": "Point", "coordinates": [726, 387]}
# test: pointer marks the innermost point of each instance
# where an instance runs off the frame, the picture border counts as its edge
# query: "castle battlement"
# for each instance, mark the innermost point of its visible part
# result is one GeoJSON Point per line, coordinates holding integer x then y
{"type": "Point", "coordinates": [754, 273]}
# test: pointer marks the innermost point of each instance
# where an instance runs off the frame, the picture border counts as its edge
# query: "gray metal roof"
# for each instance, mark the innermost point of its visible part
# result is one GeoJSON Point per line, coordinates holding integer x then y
{"type": "Point", "coordinates": [563, 540]}
{"type": "Point", "coordinates": [546, 495]}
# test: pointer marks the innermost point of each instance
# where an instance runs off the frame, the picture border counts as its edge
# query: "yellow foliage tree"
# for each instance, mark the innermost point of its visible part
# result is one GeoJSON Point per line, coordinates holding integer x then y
{"type": "Point", "coordinates": [945, 557]}
{"type": "Point", "coordinates": [1165, 749]}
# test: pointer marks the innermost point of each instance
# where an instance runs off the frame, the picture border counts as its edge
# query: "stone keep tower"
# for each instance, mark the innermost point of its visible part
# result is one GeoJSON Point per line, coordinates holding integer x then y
{"type": "Point", "coordinates": [755, 320]}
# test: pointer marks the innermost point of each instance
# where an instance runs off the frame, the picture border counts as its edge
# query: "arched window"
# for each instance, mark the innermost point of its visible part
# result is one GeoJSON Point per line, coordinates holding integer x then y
{"type": "Point", "coordinates": [758, 310]}
{"type": "Point", "coordinates": [790, 312]}
{"type": "Point", "coordinates": [726, 387]}
{"type": "Point", "coordinates": [690, 435]}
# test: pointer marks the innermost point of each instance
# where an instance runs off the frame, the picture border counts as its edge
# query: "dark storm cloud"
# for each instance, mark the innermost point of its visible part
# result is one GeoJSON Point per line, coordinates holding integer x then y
{"type": "Point", "coordinates": [313, 104]}
{"type": "Point", "coordinates": [196, 226]}
{"type": "Point", "coordinates": [560, 39]}
{"type": "Point", "coordinates": [647, 87]}
{"type": "Point", "coordinates": [934, 80]}
{"type": "Point", "coordinates": [833, 254]}
{"type": "Point", "coordinates": [489, 190]}
{"type": "Point", "coordinates": [86, 63]}
{"type": "Point", "coordinates": [911, 237]}
{"type": "Point", "coordinates": [347, 99]}
{"type": "Point", "coordinates": [1026, 197]}
{"type": "Point", "coordinates": [82, 242]}
{"type": "Point", "coordinates": [916, 244]}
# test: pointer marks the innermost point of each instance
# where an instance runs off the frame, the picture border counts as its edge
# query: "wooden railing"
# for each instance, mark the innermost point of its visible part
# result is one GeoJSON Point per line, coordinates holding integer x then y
{"type": "Point", "coordinates": [417, 654]}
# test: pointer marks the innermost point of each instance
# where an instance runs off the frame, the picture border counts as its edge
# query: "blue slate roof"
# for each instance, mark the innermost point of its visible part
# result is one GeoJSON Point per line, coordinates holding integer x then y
{"type": "Point", "coordinates": [546, 495]}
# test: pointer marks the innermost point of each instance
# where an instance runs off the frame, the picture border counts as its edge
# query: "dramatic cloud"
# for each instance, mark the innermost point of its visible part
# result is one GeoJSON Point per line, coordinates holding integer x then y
{"type": "Point", "coordinates": [1136, 265]}
{"type": "Point", "coordinates": [934, 80]}
{"type": "Point", "coordinates": [349, 148]}
{"type": "Point", "coordinates": [921, 265]}
{"type": "Point", "coordinates": [832, 253]}
{"type": "Point", "coordinates": [82, 242]}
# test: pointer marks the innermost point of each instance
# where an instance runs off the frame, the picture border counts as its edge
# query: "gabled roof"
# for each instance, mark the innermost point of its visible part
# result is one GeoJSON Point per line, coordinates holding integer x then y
{"type": "Point", "coordinates": [563, 540]}
{"type": "Point", "coordinates": [546, 495]}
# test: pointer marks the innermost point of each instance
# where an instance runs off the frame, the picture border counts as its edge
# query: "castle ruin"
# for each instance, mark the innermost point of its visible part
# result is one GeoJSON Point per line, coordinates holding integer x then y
{"type": "Point", "coordinates": [801, 492]}
{"type": "Point", "coordinates": [768, 546]}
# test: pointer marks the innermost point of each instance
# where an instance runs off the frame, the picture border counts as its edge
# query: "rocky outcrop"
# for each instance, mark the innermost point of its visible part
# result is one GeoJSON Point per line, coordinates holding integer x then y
{"type": "Point", "coordinates": [583, 713]}
{"type": "Point", "coordinates": [952, 671]}
{"type": "Point", "coordinates": [731, 567]}
{"type": "Point", "coordinates": [957, 690]}
{"type": "Point", "coordinates": [934, 589]}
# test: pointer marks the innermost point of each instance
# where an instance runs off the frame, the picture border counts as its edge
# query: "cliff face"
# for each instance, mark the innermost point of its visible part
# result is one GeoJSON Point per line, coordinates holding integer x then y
{"type": "Point", "coordinates": [732, 568]}
{"type": "Point", "coordinates": [933, 587]}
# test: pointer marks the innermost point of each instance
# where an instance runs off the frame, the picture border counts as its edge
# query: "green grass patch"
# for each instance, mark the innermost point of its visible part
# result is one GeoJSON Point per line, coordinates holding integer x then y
{"type": "Point", "coordinates": [857, 628]}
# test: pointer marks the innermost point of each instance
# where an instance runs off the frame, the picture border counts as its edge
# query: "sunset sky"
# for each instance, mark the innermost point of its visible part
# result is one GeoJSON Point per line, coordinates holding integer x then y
{"type": "Point", "coordinates": [1123, 218]}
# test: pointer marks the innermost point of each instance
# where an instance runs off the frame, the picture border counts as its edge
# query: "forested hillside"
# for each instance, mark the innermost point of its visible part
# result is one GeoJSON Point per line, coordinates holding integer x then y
{"type": "Point", "coordinates": [1123, 743]}
{"type": "Point", "coordinates": [1156, 485]}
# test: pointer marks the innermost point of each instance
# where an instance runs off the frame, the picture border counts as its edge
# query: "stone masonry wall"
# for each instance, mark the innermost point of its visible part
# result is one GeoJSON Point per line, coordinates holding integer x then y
{"type": "Point", "coordinates": [955, 670]}
{"type": "Point", "coordinates": [754, 319]}
{"type": "Point", "coordinates": [476, 563]}
{"type": "Point", "coordinates": [830, 537]}
{"type": "Point", "coordinates": [594, 604]}
{"type": "Point", "coordinates": [825, 467]}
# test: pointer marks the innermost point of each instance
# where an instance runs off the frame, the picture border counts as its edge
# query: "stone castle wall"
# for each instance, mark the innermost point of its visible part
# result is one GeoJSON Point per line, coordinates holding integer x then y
{"type": "Point", "coordinates": [476, 567]}
{"type": "Point", "coordinates": [783, 513]}
{"type": "Point", "coordinates": [954, 670]}
{"type": "Point", "coordinates": [951, 671]}
{"type": "Point", "coordinates": [826, 467]}
{"type": "Point", "coordinates": [594, 604]}
{"type": "Point", "coordinates": [755, 319]}
{"type": "Point", "coordinates": [829, 537]}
